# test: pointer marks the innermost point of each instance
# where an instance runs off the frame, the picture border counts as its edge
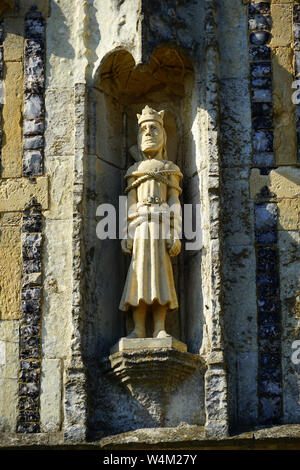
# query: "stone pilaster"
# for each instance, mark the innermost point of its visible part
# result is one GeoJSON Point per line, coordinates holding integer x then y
{"type": "Point", "coordinates": [75, 427]}
{"type": "Point", "coordinates": [216, 386]}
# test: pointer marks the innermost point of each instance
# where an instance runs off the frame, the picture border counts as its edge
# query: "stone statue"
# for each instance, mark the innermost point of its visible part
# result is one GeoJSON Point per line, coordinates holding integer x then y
{"type": "Point", "coordinates": [153, 229]}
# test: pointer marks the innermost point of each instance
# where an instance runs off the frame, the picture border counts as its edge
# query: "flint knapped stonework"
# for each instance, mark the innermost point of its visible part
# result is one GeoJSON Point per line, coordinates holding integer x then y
{"type": "Point", "coordinates": [259, 24]}
{"type": "Point", "coordinates": [31, 293]}
{"type": "Point", "coordinates": [268, 312]}
{"type": "Point", "coordinates": [30, 322]}
{"type": "Point", "coordinates": [34, 84]}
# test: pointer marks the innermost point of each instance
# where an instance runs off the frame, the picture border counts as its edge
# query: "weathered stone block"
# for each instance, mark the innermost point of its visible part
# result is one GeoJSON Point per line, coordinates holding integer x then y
{"type": "Point", "coordinates": [281, 17]}
{"type": "Point", "coordinates": [56, 335]}
{"type": "Point", "coordinates": [259, 22]}
{"type": "Point", "coordinates": [259, 38]}
{"type": "Point", "coordinates": [33, 106]}
{"type": "Point", "coordinates": [260, 69]}
{"type": "Point", "coordinates": [16, 194]}
{"type": "Point", "coordinates": [235, 126]}
{"type": "Point", "coordinates": [51, 395]}
{"type": "Point", "coordinates": [61, 188]}
{"type": "Point", "coordinates": [59, 135]}
{"type": "Point", "coordinates": [259, 53]}
{"type": "Point", "coordinates": [240, 296]}
{"type": "Point", "coordinates": [262, 94]}
{"type": "Point", "coordinates": [33, 143]}
{"type": "Point", "coordinates": [33, 159]}
{"type": "Point", "coordinates": [265, 223]}
{"type": "Point", "coordinates": [33, 127]}
{"type": "Point", "coordinates": [10, 267]}
{"type": "Point", "coordinates": [247, 399]}
{"type": "Point", "coordinates": [11, 154]}
{"type": "Point", "coordinates": [232, 40]}
{"type": "Point", "coordinates": [8, 404]}
{"type": "Point", "coordinates": [284, 109]}
{"type": "Point", "coordinates": [259, 7]}
{"type": "Point", "coordinates": [14, 39]}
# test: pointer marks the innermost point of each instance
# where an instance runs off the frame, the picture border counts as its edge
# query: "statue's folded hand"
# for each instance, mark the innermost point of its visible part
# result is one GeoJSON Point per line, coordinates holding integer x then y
{"type": "Point", "coordinates": [127, 245]}
{"type": "Point", "coordinates": [174, 247]}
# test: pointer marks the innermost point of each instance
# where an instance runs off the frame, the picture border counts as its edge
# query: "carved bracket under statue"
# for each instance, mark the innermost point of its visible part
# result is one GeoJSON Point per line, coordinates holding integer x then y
{"type": "Point", "coordinates": [151, 369]}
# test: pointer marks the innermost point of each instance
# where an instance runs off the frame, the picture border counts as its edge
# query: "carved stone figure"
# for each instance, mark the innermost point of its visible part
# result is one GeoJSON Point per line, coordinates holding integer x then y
{"type": "Point", "coordinates": [152, 190]}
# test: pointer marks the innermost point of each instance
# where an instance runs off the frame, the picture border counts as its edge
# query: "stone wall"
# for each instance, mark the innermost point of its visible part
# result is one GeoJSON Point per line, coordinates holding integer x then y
{"type": "Point", "coordinates": [72, 77]}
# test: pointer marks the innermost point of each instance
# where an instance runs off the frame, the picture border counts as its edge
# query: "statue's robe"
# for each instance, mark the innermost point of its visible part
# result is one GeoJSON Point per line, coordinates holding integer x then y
{"type": "Point", "coordinates": [150, 275]}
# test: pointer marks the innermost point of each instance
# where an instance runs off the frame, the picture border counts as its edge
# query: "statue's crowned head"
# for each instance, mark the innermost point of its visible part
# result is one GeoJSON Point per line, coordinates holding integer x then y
{"type": "Point", "coordinates": [152, 137]}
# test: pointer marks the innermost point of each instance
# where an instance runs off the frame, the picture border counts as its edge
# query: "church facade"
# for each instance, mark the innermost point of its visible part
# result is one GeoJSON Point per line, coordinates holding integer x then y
{"type": "Point", "coordinates": [73, 78]}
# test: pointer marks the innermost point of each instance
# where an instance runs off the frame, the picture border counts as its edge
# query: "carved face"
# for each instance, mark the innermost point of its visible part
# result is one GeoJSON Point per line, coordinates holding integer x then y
{"type": "Point", "coordinates": [150, 137]}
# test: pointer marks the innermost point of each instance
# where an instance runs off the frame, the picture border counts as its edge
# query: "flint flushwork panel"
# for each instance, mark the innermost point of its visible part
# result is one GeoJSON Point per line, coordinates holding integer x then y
{"type": "Point", "coordinates": [34, 83]}
{"type": "Point", "coordinates": [268, 316]}
{"type": "Point", "coordinates": [31, 294]}
{"type": "Point", "coordinates": [30, 322]}
{"type": "Point", "coordinates": [259, 24]}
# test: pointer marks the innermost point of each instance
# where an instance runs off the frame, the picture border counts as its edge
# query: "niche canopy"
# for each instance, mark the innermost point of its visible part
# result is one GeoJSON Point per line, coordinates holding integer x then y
{"type": "Point", "coordinates": [164, 77]}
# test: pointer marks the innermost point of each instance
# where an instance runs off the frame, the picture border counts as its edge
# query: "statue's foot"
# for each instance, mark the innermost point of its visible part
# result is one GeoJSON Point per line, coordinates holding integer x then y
{"type": "Point", "coordinates": [161, 334]}
{"type": "Point", "coordinates": [136, 334]}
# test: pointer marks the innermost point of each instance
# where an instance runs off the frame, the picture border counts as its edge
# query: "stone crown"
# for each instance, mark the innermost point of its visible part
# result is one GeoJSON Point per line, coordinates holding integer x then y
{"type": "Point", "coordinates": [149, 114]}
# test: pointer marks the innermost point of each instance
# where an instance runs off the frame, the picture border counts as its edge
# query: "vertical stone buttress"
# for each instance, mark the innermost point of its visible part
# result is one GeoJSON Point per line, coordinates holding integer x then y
{"type": "Point", "coordinates": [75, 404]}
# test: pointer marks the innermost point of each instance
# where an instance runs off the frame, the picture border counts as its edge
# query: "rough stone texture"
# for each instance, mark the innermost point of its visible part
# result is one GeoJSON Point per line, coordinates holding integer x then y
{"type": "Point", "coordinates": [12, 118]}
{"type": "Point", "coordinates": [61, 185]}
{"type": "Point", "coordinates": [288, 242]}
{"type": "Point", "coordinates": [284, 109]}
{"type": "Point", "coordinates": [16, 194]}
{"type": "Point", "coordinates": [59, 135]}
{"type": "Point", "coordinates": [51, 395]}
{"type": "Point", "coordinates": [30, 322]}
{"type": "Point", "coordinates": [9, 340]}
{"type": "Point", "coordinates": [10, 265]}
{"type": "Point", "coordinates": [57, 263]}
{"type": "Point", "coordinates": [282, 182]}
{"type": "Point", "coordinates": [281, 25]}
{"type": "Point", "coordinates": [14, 39]}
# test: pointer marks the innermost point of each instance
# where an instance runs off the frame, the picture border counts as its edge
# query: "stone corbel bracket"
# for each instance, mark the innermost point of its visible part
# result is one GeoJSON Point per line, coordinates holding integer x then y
{"type": "Point", "coordinates": [149, 367]}
{"type": "Point", "coordinates": [152, 374]}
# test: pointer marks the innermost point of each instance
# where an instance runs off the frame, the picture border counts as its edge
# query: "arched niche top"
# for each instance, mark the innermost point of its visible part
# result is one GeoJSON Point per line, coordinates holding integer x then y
{"type": "Point", "coordinates": [166, 77]}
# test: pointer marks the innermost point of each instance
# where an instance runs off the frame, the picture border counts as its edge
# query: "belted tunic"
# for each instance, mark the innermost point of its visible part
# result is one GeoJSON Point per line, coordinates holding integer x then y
{"type": "Point", "coordinates": [151, 185]}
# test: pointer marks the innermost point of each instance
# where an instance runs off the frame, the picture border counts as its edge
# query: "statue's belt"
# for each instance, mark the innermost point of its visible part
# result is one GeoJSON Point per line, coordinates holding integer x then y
{"type": "Point", "coordinates": [159, 176]}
